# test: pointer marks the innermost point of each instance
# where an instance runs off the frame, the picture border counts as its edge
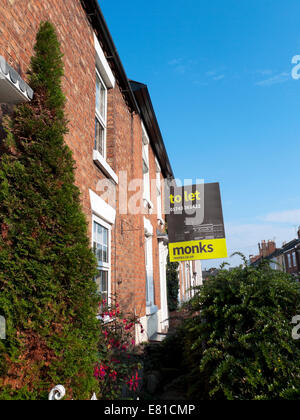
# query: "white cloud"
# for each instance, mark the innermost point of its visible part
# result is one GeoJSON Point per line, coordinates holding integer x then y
{"type": "Point", "coordinates": [179, 65]}
{"type": "Point", "coordinates": [215, 75]}
{"type": "Point", "coordinates": [220, 77]}
{"type": "Point", "coordinates": [245, 238]}
{"type": "Point", "coordinates": [175, 62]}
{"type": "Point", "coordinates": [274, 80]}
{"type": "Point", "coordinates": [289, 216]}
{"type": "Point", "coordinates": [265, 72]}
{"type": "Point", "coordinates": [211, 73]}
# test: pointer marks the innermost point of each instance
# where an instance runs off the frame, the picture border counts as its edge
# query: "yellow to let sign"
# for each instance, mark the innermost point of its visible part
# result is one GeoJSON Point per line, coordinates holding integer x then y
{"type": "Point", "coordinates": [208, 249]}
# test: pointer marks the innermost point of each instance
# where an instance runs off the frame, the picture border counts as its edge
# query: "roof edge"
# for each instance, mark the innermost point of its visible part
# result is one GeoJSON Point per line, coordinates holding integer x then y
{"type": "Point", "coordinates": [98, 21]}
{"type": "Point", "coordinates": [149, 118]}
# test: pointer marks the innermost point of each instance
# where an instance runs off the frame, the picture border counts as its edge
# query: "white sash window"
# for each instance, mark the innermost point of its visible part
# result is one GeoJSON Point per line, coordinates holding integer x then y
{"type": "Point", "coordinates": [101, 247]}
{"type": "Point", "coordinates": [101, 116]}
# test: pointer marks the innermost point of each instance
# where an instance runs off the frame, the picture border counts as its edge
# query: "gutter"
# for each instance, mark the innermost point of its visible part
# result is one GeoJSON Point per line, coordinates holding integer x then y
{"type": "Point", "coordinates": [98, 22]}
{"type": "Point", "coordinates": [153, 130]}
{"type": "Point", "coordinates": [145, 108]}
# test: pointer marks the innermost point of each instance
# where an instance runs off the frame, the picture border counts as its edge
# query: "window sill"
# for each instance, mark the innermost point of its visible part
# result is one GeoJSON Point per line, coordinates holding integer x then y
{"type": "Point", "coordinates": [151, 310]}
{"type": "Point", "coordinates": [105, 319]}
{"type": "Point", "coordinates": [104, 166]}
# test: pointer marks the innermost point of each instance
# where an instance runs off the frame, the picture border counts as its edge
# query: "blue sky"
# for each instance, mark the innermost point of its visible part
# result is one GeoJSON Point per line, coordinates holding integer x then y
{"type": "Point", "coordinates": [219, 73]}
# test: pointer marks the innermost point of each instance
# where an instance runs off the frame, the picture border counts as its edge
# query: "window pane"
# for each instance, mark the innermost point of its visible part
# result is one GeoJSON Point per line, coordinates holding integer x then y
{"type": "Point", "coordinates": [104, 281]}
{"type": "Point", "coordinates": [105, 254]}
{"type": "Point", "coordinates": [101, 281]}
{"type": "Point", "coordinates": [100, 243]}
{"type": "Point", "coordinates": [145, 167]}
{"type": "Point", "coordinates": [97, 93]}
{"type": "Point", "coordinates": [105, 236]}
{"type": "Point", "coordinates": [99, 234]}
{"type": "Point", "coordinates": [100, 98]}
{"type": "Point", "coordinates": [99, 137]}
{"type": "Point", "coordinates": [99, 253]}
{"type": "Point", "coordinates": [102, 103]}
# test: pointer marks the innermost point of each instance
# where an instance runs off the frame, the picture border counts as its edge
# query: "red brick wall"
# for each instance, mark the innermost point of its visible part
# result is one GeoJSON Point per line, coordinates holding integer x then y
{"type": "Point", "coordinates": [19, 23]}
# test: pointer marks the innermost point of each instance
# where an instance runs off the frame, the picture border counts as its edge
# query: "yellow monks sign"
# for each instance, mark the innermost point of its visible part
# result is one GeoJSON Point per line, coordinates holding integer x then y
{"type": "Point", "coordinates": [195, 223]}
{"type": "Point", "coordinates": [198, 250]}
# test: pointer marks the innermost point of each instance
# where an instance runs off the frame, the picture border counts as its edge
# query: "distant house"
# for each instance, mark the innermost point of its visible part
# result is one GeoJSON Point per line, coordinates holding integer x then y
{"type": "Point", "coordinates": [190, 276]}
{"type": "Point", "coordinates": [291, 255]}
{"type": "Point", "coordinates": [269, 251]}
{"type": "Point", "coordinates": [265, 250]}
{"type": "Point", "coordinates": [286, 259]}
{"type": "Point", "coordinates": [212, 272]}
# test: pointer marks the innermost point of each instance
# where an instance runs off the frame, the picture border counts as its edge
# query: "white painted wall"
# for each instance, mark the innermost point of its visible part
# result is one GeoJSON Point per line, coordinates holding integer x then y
{"type": "Point", "coordinates": [164, 312]}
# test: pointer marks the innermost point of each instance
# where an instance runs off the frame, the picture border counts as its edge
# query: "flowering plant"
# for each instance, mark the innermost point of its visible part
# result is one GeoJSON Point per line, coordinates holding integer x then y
{"type": "Point", "coordinates": [118, 366]}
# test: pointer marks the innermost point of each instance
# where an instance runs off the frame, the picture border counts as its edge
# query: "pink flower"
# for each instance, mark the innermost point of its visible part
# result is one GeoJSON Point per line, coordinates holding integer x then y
{"type": "Point", "coordinates": [134, 382]}
{"type": "Point", "coordinates": [100, 371]}
{"type": "Point", "coordinates": [113, 375]}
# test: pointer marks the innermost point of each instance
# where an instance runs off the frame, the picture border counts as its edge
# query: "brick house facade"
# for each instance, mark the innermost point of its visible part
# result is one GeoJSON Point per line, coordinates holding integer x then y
{"type": "Point", "coordinates": [291, 256]}
{"type": "Point", "coordinates": [114, 143]}
{"type": "Point", "coordinates": [286, 258]}
{"type": "Point", "coordinates": [190, 276]}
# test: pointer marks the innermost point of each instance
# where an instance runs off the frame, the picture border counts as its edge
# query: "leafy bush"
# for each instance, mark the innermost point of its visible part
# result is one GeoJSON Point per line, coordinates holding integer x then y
{"type": "Point", "coordinates": [239, 339]}
{"type": "Point", "coordinates": [48, 296]}
{"type": "Point", "coordinates": [172, 285]}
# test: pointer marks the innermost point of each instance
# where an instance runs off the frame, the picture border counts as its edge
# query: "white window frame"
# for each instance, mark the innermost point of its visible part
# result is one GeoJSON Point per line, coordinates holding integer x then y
{"type": "Point", "coordinates": [159, 193]}
{"type": "Point", "coordinates": [146, 165]}
{"type": "Point", "coordinates": [146, 174]}
{"type": "Point", "coordinates": [159, 197]}
{"type": "Point", "coordinates": [104, 266]}
{"type": "Point", "coordinates": [151, 308]}
{"type": "Point", "coordinates": [294, 259]}
{"type": "Point", "coordinates": [104, 72]}
{"type": "Point", "coordinates": [150, 300]}
{"type": "Point", "coordinates": [289, 258]}
{"type": "Point", "coordinates": [102, 120]}
{"type": "Point", "coordinates": [103, 66]}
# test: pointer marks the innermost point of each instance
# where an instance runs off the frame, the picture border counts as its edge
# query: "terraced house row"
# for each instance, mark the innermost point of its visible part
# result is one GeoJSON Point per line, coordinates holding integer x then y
{"type": "Point", "coordinates": [116, 143]}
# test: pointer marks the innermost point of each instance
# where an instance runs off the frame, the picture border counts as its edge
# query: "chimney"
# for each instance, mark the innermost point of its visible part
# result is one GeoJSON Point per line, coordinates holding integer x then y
{"type": "Point", "coordinates": [264, 249]}
{"type": "Point", "coordinates": [271, 247]}
{"type": "Point", "coordinates": [299, 232]}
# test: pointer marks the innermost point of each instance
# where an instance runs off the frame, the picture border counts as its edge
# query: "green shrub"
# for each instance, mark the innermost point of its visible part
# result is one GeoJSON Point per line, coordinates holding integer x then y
{"type": "Point", "coordinates": [172, 285]}
{"type": "Point", "coordinates": [239, 341]}
{"type": "Point", "coordinates": [48, 296]}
